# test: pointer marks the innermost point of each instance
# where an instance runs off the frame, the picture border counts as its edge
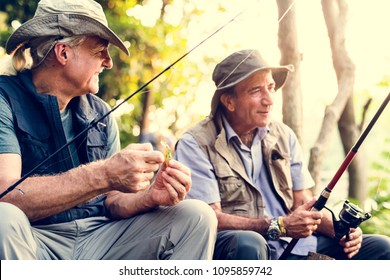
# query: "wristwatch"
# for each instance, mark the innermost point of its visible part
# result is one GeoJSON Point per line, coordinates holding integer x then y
{"type": "Point", "coordinates": [273, 232]}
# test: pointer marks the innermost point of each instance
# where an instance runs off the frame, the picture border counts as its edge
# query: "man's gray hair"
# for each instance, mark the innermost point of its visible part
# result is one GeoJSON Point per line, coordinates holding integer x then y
{"type": "Point", "coordinates": [36, 52]}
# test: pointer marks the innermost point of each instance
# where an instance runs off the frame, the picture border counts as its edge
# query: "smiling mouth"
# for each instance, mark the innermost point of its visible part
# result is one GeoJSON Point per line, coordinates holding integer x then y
{"type": "Point", "coordinates": [97, 75]}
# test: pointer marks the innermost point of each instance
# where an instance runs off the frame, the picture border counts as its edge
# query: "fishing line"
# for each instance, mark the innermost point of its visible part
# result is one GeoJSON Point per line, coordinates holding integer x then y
{"type": "Point", "coordinates": [98, 120]}
{"type": "Point", "coordinates": [251, 52]}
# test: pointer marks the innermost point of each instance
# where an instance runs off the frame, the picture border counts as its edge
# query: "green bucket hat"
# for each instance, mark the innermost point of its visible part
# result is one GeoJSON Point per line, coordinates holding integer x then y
{"type": "Point", "coordinates": [65, 18]}
{"type": "Point", "coordinates": [239, 66]}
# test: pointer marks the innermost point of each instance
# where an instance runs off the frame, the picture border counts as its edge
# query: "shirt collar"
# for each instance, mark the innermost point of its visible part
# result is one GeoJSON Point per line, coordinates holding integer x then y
{"type": "Point", "coordinates": [231, 134]}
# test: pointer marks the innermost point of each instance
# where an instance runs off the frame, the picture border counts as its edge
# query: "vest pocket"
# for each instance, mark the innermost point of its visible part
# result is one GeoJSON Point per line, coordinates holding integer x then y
{"type": "Point", "coordinates": [236, 199]}
{"type": "Point", "coordinates": [282, 169]}
{"type": "Point", "coordinates": [96, 144]}
{"type": "Point", "coordinates": [233, 191]}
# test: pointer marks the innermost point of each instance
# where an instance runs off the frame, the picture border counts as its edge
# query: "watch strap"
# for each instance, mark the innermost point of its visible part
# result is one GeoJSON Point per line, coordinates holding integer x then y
{"type": "Point", "coordinates": [283, 231]}
{"type": "Point", "coordinates": [273, 232]}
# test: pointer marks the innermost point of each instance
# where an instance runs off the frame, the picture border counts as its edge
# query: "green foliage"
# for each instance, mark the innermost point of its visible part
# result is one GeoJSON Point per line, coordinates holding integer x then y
{"type": "Point", "coordinates": [379, 202]}
{"type": "Point", "coordinates": [385, 82]}
{"type": "Point", "coordinates": [11, 12]}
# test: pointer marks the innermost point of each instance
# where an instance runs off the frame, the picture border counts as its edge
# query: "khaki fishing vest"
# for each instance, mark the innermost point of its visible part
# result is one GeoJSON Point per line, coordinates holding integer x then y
{"type": "Point", "coordinates": [238, 194]}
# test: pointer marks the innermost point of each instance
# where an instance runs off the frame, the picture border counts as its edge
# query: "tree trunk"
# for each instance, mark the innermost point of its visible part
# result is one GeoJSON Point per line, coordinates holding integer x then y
{"type": "Point", "coordinates": [341, 110]}
{"type": "Point", "coordinates": [288, 45]}
{"type": "Point", "coordinates": [349, 133]}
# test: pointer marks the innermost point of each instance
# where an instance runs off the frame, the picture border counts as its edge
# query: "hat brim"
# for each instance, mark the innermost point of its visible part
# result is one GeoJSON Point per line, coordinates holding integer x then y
{"type": "Point", "coordinates": [279, 75]}
{"type": "Point", "coordinates": [64, 25]}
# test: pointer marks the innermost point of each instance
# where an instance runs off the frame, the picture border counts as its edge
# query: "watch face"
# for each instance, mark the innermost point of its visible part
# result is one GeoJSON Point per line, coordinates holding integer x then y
{"type": "Point", "coordinates": [273, 234]}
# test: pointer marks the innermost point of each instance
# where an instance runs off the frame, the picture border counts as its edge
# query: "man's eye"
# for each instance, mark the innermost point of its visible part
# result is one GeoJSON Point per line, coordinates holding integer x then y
{"type": "Point", "coordinates": [255, 90]}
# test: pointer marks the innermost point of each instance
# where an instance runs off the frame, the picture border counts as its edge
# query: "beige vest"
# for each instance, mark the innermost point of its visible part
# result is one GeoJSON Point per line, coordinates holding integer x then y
{"type": "Point", "coordinates": [238, 194]}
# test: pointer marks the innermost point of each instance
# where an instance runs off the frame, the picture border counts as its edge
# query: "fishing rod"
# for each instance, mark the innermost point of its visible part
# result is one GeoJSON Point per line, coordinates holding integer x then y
{"type": "Point", "coordinates": [98, 120]}
{"type": "Point", "coordinates": [325, 194]}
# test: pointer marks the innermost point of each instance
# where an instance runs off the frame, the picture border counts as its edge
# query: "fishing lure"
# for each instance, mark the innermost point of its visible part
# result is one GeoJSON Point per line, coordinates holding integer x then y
{"type": "Point", "coordinates": [168, 153]}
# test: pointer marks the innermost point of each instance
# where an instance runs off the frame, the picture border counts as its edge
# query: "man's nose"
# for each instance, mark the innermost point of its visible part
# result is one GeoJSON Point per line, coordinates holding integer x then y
{"type": "Point", "coordinates": [267, 97]}
{"type": "Point", "coordinates": [107, 62]}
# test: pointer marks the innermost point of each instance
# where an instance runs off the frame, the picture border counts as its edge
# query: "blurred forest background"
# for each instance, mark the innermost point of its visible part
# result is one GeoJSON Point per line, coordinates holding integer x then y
{"type": "Point", "coordinates": [158, 32]}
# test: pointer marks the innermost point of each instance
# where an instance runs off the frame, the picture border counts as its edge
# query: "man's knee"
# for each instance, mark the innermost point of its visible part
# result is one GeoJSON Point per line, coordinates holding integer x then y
{"type": "Point", "coordinates": [194, 231]}
{"type": "Point", "coordinates": [12, 218]}
{"type": "Point", "coordinates": [376, 247]}
{"type": "Point", "coordinates": [241, 245]}
{"type": "Point", "coordinates": [14, 233]}
{"type": "Point", "coordinates": [251, 245]}
{"type": "Point", "coordinates": [199, 213]}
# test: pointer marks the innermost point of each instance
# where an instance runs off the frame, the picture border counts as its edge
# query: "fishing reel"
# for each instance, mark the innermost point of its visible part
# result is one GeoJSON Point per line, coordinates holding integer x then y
{"type": "Point", "coordinates": [351, 216]}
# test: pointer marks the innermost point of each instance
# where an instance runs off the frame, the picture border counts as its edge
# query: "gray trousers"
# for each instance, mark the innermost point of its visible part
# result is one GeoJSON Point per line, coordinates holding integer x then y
{"type": "Point", "coordinates": [186, 231]}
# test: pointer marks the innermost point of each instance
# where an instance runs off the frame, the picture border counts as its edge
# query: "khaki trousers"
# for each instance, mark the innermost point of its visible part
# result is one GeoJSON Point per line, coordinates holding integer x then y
{"type": "Point", "coordinates": [185, 231]}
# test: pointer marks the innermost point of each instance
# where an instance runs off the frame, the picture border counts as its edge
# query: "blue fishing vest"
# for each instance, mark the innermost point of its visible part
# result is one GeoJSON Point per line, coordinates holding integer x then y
{"type": "Point", "coordinates": [38, 126]}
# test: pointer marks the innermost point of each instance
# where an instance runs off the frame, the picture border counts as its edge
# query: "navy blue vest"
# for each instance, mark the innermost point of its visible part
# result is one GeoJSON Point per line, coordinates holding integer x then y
{"type": "Point", "coordinates": [38, 126]}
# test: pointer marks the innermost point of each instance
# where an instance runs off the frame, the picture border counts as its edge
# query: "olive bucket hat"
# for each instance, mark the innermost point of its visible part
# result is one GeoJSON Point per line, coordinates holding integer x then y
{"type": "Point", "coordinates": [65, 18]}
{"type": "Point", "coordinates": [239, 66]}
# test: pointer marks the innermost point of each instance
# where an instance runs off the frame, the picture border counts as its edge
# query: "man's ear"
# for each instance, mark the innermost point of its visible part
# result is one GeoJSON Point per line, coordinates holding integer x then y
{"type": "Point", "coordinates": [228, 101]}
{"type": "Point", "coordinates": [61, 52]}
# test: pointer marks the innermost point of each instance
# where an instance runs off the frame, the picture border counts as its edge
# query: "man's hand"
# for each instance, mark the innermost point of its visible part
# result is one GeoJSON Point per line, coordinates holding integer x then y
{"type": "Point", "coordinates": [173, 182]}
{"type": "Point", "coordinates": [354, 243]}
{"type": "Point", "coordinates": [302, 222]}
{"type": "Point", "coordinates": [132, 169]}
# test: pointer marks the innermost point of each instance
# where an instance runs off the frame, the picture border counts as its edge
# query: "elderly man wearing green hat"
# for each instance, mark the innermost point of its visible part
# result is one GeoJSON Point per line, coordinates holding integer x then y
{"type": "Point", "coordinates": [91, 200]}
{"type": "Point", "coordinates": [250, 169]}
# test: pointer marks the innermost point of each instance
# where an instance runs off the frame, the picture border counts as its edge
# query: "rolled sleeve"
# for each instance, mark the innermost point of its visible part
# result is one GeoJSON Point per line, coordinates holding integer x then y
{"type": "Point", "coordinates": [204, 182]}
{"type": "Point", "coordinates": [8, 141]}
{"type": "Point", "coordinates": [301, 177]}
